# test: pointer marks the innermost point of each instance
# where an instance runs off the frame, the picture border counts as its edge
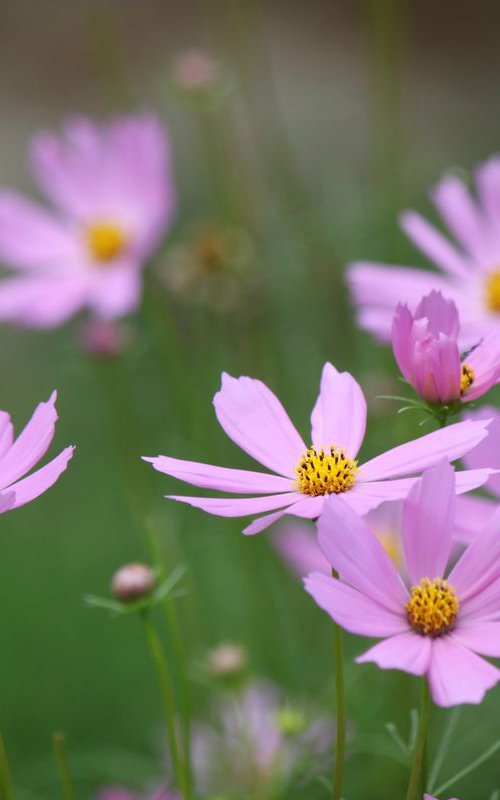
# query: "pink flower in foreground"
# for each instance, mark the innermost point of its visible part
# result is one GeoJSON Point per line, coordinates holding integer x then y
{"type": "Point", "coordinates": [18, 456]}
{"type": "Point", "coordinates": [253, 417]}
{"type": "Point", "coordinates": [438, 626]}
{"type": "Point", "coordinates": [426, 349]}
{"type": "Point", "coordinates": [470, 272]}
{"type": "Point", "coordinates": [112, 193]}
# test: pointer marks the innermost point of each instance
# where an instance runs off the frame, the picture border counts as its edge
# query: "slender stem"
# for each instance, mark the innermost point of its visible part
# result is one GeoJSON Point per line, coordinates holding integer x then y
{"type": "Point", "coordinates": [62, 763]}
{"type": "Point", "coordinates": [414, 784]}
{"type": "Point", "coordinates": [162, 671]}
{"type": "Point", "coordinates": [478, 762]}
{"type": "Point", "coordinates": [443, 746]}
{"type": "Point", "coordinates": [340, 721]}
{"type": "Point", "coordinates": [5, 774]}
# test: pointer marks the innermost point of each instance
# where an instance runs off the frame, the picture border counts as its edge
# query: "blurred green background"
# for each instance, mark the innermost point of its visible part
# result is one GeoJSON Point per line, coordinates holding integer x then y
{"type": "Point", "coordinates": [334, 116]}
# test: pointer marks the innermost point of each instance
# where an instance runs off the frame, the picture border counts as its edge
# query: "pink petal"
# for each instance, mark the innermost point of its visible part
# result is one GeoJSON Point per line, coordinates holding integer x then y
{"type": "Point", "coordinates": [352, 610]}
{"type": "Point", "coordinates": [253, 417]}
{"type": "Point", "coordinates": [488, 181]}
{"type": "Point", "coordinates": [462, 216]}
{"type": "Point", "coordinates": [42, 302]}
{"type": "Point", "coordinates": [38, 482]}
{"type": "Point", "coordinates": [450, 443]}
{"type": "Point", "coordinates": [428, 517]}
{"type": "Point", "coordinates": [488, 451]}
{"type": "Point", "coordinates": [479, 565]}
{"type": "Point", "coordinates": [297, 545]}
{"type": "Point", "coordinates": [365, 497]}
{"type": "Point", "coordinates": [31, 444]}
{"type": "Point", "coordinates": [473, 514]}
{"type": "Point", "coordinates": [356, 554]}
{"type": "Point", "coordinates": [222, 479]}
{"type": "Point", "coordinates": [456, 675]}
{"type": "Point", "coordinates": [407, 651]}
{"type": "Point", "coordinates": [116, 291]}
{"type": "Point", "coordinates": [7, 500]}
{"type": "Point", "coordinates": [482, 605]}
{"type": "Point", "coordinates": [433, 244]}
{"type": "Point", "coordinates": [238, 506]}
{"type": "Point", "coordinates": [6, 433]}
{"type": "Point", "coordinates": [308, 508]}
{"type": "Point", "coordinates": [339, 416]}
{"type": "Point", "coordinates": [402, 344]}
{"type": "Point", "coordinates": [481, 637]}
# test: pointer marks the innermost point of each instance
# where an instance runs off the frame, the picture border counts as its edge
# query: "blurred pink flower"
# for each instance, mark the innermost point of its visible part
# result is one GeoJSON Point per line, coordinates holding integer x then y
{"type": "Point", "coordinates": [439, 626]}
{"type": "Point", "coordinates": [122, 793]}
{"type": "Point", "coordinates": [257, 742]}
{"type": "Point", "coordinates": [112, 193]}
{"type": "Point", "coordinates": [253, 417]}
{"type": "Point", "coordinates": [104, 338]}
{"type": "Point", "coordinates": [470, 271]}
{"type": "Point", "coordinates": [196, 70]}
{"type": "Point", "coordinates": [426, 349]}
{"type": "Point", "coordinates": [17, 457]}
{"type": "Point", "coordinates": [429, 797]}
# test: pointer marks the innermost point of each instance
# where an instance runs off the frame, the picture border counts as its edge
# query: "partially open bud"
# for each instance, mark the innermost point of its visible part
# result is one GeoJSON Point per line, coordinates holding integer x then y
{"type": "Point", "coordinates": [227, 660]}
{"type": "Point", "coordinates": [133, 582]}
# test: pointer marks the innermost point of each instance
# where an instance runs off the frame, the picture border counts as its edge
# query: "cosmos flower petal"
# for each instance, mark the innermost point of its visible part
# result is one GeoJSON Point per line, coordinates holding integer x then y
{"type": "Point", "coordinates": [297, 545]}
{"type": "Point", "coordinates": [353, 610]}
{"type": "Point", "coordinates": [308, 508]}
{"type": "Point", "coordinates": [31, 444]}
{"type": "Point", "coordinates": [479, 565]}
{"type": "Point", "coordinates": [473, 514]}
{"type": "Point", "coordinates": [481, 637]}
{"type": "Point", "coordinates": [6, 433]}
{"type": "Point", "coordinates": [488, 451]}
{"type": "Point", "coordinates": [339, 416]}
{"type": "Point", "coordinates": [222, 479]}
{"type": "Point", "coordinates": [253, 417]}
{"type": "Point", "coordinates": [457, 675]}
{"type": "Point", "coordinates": [38, 482]}
{"type": "Point", "coordinates": [238, 506]}
{"type": "Point", "coordinates": [41, 302]}
{"type": "Point", "coordinates": [364, 497]}
{"type": "Point", "coordinates": [428, 518]}
{"type": "Point", "coordinates": [433, 244]}
{"type": "Point", "coordinates": [116, 291]}
{"type": "Point", "coordinates": [407, 651]}
{"type": "Point", "coordinates": [461, 215]}
{"type": "Point", "coordinates": [356, 554]}
{"type": "Point", "coordinates": [419, 454]}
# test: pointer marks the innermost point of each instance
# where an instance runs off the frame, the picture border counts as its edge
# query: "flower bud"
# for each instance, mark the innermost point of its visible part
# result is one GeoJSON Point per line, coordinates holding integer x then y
{"type": "Point", "coordinates": [133, 582]}
{"type": "Point", "coordinates": [196, 71]}
{"type": "Point", "coordinates": [227, 660]}
{"type": "Point", "coordinates": [104, 339]}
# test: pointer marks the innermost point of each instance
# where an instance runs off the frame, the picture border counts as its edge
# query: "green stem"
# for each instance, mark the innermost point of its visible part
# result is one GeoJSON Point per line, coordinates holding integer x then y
{"type": "Point", "coordinates": [478, 762]}
{"type": "Point", "coordinates": [62, 764]}
{"type": "Point", "coordinates": [5, 774]}
{"type": "Point", "coordinates": [444, 745]}
{"type": "Point", "coordinates": [162, 671]}
{"type": "Point", "coordinates": [340, 720]}
{"type": "Point", "coordinates": [414, 784]}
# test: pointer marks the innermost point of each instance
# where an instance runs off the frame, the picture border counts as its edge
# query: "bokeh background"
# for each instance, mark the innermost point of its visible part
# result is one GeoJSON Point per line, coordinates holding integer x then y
{"type": "Point", "coordinates": [331, 118]}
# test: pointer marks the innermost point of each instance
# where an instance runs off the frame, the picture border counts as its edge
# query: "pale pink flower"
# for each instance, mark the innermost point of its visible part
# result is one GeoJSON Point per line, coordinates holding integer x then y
{"type": "Point", "coordinates": [112, 197]}
{"type": "Point", "coordinates": [469, 269]}
{"type": "Point", "coordinates": [429, 797]}
{"type": "Point", "coordinates": [426, 349]}
{"type": "Point", "coordinates": [438, 626]}
{"type": "Point", "coordinates": [196, 71]}
{"type": "Point", "coordinates": [253, 417]}
{"type": "Point", "coordinates": [19, 456]}
{"type": "Point", "coordinates": [122, 793]}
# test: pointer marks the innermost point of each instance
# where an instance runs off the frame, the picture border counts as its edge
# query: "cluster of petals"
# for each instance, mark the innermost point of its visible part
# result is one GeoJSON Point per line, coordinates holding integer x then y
{"type": "Point", "coordinates": [426, 348]}
{"type": "Point", "coordinates": [469, 268]}
{"type": "Point", "coordinates": [371, 597]}
{"type": "Point", "coordinates": [253, 417]}
{"type": "Point", "coordinates": [112, 198]}
{"type": "Point", "coordinates": [18, 456]}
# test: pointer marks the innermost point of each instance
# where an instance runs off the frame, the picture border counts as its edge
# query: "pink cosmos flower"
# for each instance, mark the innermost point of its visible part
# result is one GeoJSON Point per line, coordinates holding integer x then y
{"type": "Point", "coordinates": [112, 193]}
{"type": "Point", "coordinates": [426, 349]}
{"type": "Point", "coordinates": [253, 417]}
{"type": "Point", "coordinates": [469, 269]}
{"type": "Point", "coordinates": [18, 456]}
{"type": "Point", "coordinates": [441, 625]}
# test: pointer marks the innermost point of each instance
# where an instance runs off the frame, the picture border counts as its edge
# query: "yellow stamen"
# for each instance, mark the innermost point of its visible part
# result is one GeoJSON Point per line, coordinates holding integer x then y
{"type": "Point", "coordinates": [467, 378]}
{"type": "Point", "coordinates": [105, 241]}
{"type": "Point", "coordinates": [331, 472]}
{"type": "Point", "coordinates": [493, 291]}
{"type": "Point", "coordinates": [433, 607]}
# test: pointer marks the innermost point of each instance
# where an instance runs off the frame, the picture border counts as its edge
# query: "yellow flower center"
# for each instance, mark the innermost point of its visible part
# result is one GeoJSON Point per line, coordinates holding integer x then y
{"type": "Point", "coordinates": [433, 607]}
{"type": "Point", "coordinates": [331, 472]}
{"type": "Point", "coordinates": [467, 378]}
{"type": "Point", "coordinates": [105, 241]}
{"type": "Point", "coordinates": [493, 291]}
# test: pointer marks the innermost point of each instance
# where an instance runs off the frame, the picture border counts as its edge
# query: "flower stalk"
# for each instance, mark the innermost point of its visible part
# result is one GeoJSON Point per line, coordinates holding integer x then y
{"type": "Point", "coordinates": [340, 720]}
{"type": "Point", "coordinates": [5, 774]}
{"type": "Point", "coordinates": [62, 764]}
{"type": "Point", "coordinates": [416, 775]}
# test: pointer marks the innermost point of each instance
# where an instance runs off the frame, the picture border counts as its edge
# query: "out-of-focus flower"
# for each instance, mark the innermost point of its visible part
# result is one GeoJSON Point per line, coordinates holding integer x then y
{"type": "Point", "coordinates": [440, 626]}
{"type": "Point", "coordinates": [112, 193]}
{"type": "Point", "coordinates": [297, 544]}
{"type": "Point", "coordinates": [132, 582]}
{"type": "Point", "coordinates": [470, 271]}
{"type": "Point", "coordinates": [104, 338]}
{"type": "Point", "coordinates": [196, 71]}
{"type": "Point", "coordinates": [122, 793]}
{"type": "Point", "coordinates": [256, 744]}
{"type": "Point", "coordinates": [428, 797]}
{"type": "Point", "coordinates": [19, 456]}
{"type": "Point", "coordinates": [426, 349]}
{"type": "Point", "coordinates": [253, 417]}
{"type": "Point", "coordinates": [211, 267]}
{"type": "Point", "coordinates": [228, 659]}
